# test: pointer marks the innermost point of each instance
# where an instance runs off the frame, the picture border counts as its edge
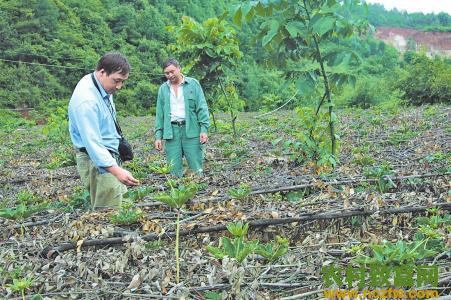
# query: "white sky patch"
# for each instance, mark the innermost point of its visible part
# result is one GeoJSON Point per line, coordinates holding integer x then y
{"type": "Point", "coordinates": [429, 6]}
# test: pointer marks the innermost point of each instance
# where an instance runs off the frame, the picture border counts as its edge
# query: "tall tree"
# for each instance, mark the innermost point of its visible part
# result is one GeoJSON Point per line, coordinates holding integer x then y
{"type": "Point", "coordinates": [308, 29]}
{"type": "Point", "coordinates": [208, 48]}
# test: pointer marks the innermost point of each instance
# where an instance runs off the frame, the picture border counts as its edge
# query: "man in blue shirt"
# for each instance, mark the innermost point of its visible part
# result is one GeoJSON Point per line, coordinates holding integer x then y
{"type": "Point", "coordinates": [93, 132]}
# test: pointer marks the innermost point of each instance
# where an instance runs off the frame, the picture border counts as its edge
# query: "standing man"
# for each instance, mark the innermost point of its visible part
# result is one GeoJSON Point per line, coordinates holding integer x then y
{"type": "Point", "coordinates": [182, 119]}
{"type": "Point", "coordinates": [94, 135]}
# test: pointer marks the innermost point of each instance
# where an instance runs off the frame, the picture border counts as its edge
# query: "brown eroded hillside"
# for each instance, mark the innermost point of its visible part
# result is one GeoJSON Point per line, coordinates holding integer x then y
{"type": "Point", "coordinates": [411, 39]}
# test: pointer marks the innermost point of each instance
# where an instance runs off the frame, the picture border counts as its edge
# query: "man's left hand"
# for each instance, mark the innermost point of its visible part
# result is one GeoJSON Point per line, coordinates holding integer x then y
{"type": "Point", "coordinates": [203, 138]}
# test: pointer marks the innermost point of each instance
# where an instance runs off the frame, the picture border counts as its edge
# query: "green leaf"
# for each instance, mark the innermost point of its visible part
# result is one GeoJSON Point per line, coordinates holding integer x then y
{"type": "Point", "coordinates": [247, 11]}
{"type": "Point", "coordinates": [323, 25]}
{"type": "Point", "coordinates": [217, 252]}
{"type": "Point", "coordinates": [294, 28]}
{"type": "Point", "coordinates": [306, 83]}
{"type": "Point", "coordinates": [238, 16]}
{"type": "Point", "coordinates": [274, 28]}
{"type": "Point", "coordinates": [229, 247]}
{"type": "Point", "coordinates": [260, 9]}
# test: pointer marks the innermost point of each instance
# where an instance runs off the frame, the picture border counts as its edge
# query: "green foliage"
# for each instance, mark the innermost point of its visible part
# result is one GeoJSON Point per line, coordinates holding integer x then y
{"type": "Point", "coordinates": [206, 47]}
{"type": "Point", "coordinates": [377, 15]}
{"type": "Point", "coordinates": [20, 285]}
{"type": "Point", "coordinates": [126, 215]}
{"type": "Point", "coordinates": [28, 205]}
{"type": "Point", "coordinates": [238, 229]}
{"type": "Point", "coordinates": [403, 134]}
{"type": "Point", "coordinates": [139, 193]}
{"type": "Point", "coordinates": [306, 30]}
{"type": "Point", "coordinates": [62, 157]}
{"type": "Point", "coordinates": [213, 295]}
{"type": "Point", "coordinates": [426, 81]}
{"type": "Point", "coordinates": [137, 168]}
{"type": "Point", "coordinates": [229, 101]}
{"type": "Point", "coordinates": [381, 173]}
{"type": "Point", "coordinates": [154, 245]}
{"type": "Point", "coordinates": [312, 142]}
{"type": "Point", "coordinates": [272, 251]}
{"type": "Point", "coordinates": [434, 229]}
{"type": "Point", "coordinates": [235, 248]}
{"type": "Point", "coordinates": [398, 253]}
{"type": "Point", "coordinates": [239, 249]}
{"type": "Point", "coordinates": [10, 121]}
{"type": "Point", "coordinates": [178, 196]}
{"type": "Point", "coordinates": [368, 91]}
{"type": "Point", "coordinates": [428, 241]}
{"type": "Point", "coordinates": [240, 192]}
{"type": "Point", "coordinates": [79, 199]}
{"type": "Point", "coordinates": [56, 128]}
{"type": "Point", "coordinates": [159, 167]}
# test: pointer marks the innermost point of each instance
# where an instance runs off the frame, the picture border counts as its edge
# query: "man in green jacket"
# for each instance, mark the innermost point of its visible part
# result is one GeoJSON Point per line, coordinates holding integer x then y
{"type": "Point", "coordinates": [182, 119]}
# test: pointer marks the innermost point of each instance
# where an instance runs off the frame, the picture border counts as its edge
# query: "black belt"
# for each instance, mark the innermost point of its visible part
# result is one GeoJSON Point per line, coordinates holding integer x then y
{"type": "Point", "coordinates": [83, 149]}
{"type": "Point", "coordinates": [178, 122]}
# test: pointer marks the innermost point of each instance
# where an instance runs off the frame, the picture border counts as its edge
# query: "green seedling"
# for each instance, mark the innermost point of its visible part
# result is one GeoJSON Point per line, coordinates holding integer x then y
{"type": "Point", "coordinates": [272, 251]}
{"type": "Point", "coordinates": [401, 252]}
{"type": "Point", "coordinates": [176, 198]}
{"type": "Point", "coordinates": [20, 285]}
{"type": "Point", "coordinates": [27, 206]}
{"type": "Point", "coordinates": [126, 215]}
{"type": "Point", "coordinates": [241, 192]}
{"type": "Point", "coordinates": [382, 174]}
{"type": "Point", "coordinates": [159, 167]}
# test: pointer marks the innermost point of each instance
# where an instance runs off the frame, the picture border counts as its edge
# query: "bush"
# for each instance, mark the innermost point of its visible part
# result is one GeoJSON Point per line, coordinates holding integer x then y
{"type": "Point", "coordinates": [426, 80]}
{"type": "Point", "coordinates": [369, 91]}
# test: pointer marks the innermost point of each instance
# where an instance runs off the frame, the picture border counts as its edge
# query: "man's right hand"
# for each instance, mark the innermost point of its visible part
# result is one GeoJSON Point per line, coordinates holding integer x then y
{"type": "Point", "coordinates": [159, 145]}
{"type": "Point", "coordinates": [123, 175]}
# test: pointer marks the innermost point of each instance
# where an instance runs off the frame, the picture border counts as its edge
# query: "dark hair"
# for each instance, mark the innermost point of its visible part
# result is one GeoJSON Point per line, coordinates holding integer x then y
{"type": "Point", "coordinates": [171, 61]}
{"type": "Point", "coordinates": [113, 62]}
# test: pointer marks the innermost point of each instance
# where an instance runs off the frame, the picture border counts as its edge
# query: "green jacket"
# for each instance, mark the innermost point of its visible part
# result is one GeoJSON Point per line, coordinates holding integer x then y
{"type": "Point", "coordinates": [196, 110]}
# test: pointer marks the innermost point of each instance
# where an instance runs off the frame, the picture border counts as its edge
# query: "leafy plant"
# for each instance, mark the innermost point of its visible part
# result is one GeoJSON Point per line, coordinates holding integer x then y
{"type": "Point", "coordinates": [126, 215]}
{"type": "Point", "coordinates": [154, 244]}
{"type": "Point", "coordinates": [231, 102]}
{"type": "Point", "coordinates": [62, 157]}
{"type": "Point", "coordinates": [176, 198]}
{"type": "Point", "coordinates": [56, 127]}
{"type": "Point", "coordinates": [363, 160]}
{"type": "Point", "coordinates": [159, 167]}
{"type": "Point", "coordinates": [433, 229]}
{"type": "Point", "coordinates": [20, 285]}
{"type": "Point", "coordinates": [27, 206]}
{"type": "Point", "coordinates": [213, 295]}
{"type": "Point", "coordinates": [139, 193]}
{"type": "Point", "coordinates": [209, 48]}
{"type": "Point", "coordinates": [303, 29]}
{"type": "Point", "coordinates": [235, 248]}
{"type": "Point", "coordinates": [272, 251]}
{"type": "Point", "coordinates": [241, 192]}
{"type": "Point", "coordinates": [381, 173]}
{"type": "Point", "coordinates": [239, 249]}
{"type": "Point", "coordinates": [395, 254]}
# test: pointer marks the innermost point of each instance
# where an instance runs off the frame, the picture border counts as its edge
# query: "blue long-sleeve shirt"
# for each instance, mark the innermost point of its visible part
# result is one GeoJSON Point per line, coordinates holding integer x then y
{"type": "Point", "coordinates": [91, 124]}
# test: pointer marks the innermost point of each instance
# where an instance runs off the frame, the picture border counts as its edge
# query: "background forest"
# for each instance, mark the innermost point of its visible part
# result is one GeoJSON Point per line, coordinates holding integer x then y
{"type": "Point", "coordinates": [46, 46]}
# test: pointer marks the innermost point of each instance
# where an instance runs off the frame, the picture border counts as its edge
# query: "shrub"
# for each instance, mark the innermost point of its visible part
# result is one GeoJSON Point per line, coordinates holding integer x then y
{"type": "Point", "coordinates": [369, 91]}
{"type": "Point", "coordinates": [426, 80]}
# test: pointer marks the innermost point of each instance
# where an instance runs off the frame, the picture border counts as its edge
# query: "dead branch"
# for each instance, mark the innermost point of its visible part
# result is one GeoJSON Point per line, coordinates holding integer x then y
{"type": "Point", "coordinates": [302, 186]}
{"type": "Point", "coordinates": [52, 252]}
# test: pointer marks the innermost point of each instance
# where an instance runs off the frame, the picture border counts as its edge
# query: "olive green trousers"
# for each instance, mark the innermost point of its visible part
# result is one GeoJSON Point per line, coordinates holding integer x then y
{"type": "Point", "coordinates": [180, 146]}
{"type": "Point", "coordinates": [105, 190]}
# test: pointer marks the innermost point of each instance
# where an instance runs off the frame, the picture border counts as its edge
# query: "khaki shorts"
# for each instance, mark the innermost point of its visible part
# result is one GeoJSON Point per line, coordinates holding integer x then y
{"type": "Point", "coordinates": [105, 189]}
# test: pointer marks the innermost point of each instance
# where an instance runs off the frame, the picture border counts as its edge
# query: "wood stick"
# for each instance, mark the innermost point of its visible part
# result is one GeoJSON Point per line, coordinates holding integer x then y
{"type": "Point", "coordinates": [51, 252]}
